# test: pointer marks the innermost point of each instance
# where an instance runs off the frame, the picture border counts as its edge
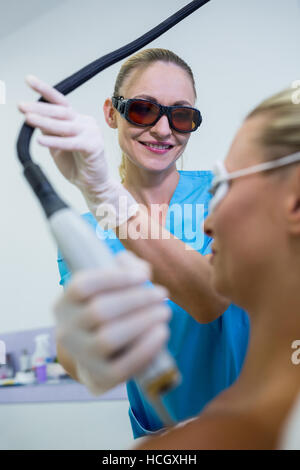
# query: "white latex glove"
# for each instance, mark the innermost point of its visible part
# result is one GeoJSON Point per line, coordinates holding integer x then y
{"type": "Point", "coordinates": [76, 145]}
{"type": "Point", "coordinates": [111, 324]}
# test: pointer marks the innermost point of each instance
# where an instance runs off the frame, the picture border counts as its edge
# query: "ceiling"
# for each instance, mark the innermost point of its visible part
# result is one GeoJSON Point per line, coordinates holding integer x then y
{"type": "Point", "coordinates": [17, 13]}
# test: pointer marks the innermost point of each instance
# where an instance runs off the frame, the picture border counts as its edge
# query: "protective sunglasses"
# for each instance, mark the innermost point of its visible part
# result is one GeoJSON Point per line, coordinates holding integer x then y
{"type": "Point", "coordinates": [220, 183]}
{"type": "Point", "coordinates": [146, 113]}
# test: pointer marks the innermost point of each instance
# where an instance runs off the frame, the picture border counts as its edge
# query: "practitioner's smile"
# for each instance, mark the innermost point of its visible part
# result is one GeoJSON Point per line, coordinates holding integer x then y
{"type": "Point", "coordinates": [160, 148]}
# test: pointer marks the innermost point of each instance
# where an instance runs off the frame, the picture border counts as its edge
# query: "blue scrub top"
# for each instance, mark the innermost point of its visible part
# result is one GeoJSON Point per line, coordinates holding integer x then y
{"type": "Point", "coordinates": [209, 356]}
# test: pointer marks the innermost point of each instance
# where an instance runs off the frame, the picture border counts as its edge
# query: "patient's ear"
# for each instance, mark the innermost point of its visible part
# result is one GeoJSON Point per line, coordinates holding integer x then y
{"type": "Point", "coordinates": [293, 203]}
{"type": "Point", "coordinates": [110, 113]}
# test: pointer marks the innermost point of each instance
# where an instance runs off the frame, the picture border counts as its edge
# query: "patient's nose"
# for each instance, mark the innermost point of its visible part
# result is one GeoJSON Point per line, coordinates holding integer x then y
{"type": "Point", "coordinates": [208, 226]}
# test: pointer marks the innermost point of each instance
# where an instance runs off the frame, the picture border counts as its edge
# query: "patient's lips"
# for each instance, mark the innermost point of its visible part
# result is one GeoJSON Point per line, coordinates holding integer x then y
{"type": "Point", "coordinates": [213, 248]}
{"type": "Point", "coordinates": [210, 258]}
{"type": "Point", "coordinates": [213, 253]}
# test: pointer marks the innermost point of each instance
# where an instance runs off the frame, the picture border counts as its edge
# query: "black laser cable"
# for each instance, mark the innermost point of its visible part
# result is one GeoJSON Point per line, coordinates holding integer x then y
{"type": "Point", "coordinates": [77, 242]}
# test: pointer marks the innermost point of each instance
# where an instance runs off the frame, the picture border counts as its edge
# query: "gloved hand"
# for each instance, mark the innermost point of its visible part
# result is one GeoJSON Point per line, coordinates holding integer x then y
{"type": "Point", "coordinates": [76, 145]}
{"type": "Point", "coordinates": [111, 324]}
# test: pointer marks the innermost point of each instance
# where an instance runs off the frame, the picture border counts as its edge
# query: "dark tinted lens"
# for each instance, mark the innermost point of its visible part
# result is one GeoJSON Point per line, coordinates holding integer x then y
{"type": "Point", "coordinates": [184, 119]}
{"type": "Point", "coordinates": [143, 112]}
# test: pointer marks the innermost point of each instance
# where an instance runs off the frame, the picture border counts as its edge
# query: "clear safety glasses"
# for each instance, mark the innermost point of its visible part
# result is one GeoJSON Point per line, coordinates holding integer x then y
{"type": "Point", "coordinates": [220, 183]}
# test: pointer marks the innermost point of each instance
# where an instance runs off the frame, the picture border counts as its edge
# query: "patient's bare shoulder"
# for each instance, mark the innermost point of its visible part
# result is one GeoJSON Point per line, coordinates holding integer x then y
{"type": "Point", "coordinates": [222, 425]}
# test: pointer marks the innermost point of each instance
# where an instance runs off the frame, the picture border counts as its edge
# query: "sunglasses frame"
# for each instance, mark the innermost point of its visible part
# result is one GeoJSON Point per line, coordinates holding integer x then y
{"type": "Point", "coordinates": [122, 105]}
{"type": "Point", "coordinates": [220, 183]}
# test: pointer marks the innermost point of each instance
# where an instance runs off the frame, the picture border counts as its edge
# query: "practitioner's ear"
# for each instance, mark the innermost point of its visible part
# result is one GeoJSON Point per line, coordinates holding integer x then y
{"type": "Point", "coordinates": [110, 113]}
{"type": "Point", "coordinates": [293, 203]}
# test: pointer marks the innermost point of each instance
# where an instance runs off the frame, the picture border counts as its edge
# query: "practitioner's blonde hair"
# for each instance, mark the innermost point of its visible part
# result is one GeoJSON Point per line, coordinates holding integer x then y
{"type": "Point", "coordinates": [142, 60]}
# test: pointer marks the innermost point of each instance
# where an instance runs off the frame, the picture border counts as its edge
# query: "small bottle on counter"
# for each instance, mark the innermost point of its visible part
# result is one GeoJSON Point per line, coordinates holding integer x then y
{"type": "Point", "coordinates": [24, 361]}
{"type": "Point", "coordinates": [40, 356]}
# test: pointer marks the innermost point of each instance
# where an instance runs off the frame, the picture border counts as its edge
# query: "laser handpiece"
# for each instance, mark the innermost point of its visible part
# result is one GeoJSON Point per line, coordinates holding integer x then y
{"type": "Point", "coordinates": [82, 250]}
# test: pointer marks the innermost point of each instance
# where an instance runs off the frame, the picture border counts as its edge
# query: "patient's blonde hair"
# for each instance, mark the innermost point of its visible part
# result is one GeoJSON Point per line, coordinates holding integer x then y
{"type": "Point", "coordinates": [281, 133]}
{"type": "Point", "coordinates": [142, 60]}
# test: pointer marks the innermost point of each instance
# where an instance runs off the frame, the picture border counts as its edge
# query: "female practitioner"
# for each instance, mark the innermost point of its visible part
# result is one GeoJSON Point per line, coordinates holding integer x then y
{"type": "Point", "coordinates": [153, 109]}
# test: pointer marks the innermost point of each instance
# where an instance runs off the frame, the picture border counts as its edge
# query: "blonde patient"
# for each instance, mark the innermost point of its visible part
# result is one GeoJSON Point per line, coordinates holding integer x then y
{"type": "Point", "coordinates": [255, 261]}
{"type": "Point", "coordinates": [255, 223]}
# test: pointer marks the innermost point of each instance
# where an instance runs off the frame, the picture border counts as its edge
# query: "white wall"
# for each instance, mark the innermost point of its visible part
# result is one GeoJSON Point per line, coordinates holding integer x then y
{"type": "Point", "coordinates": [240, 52]}
{"type": "Point", "coordinates": [60, 426]}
